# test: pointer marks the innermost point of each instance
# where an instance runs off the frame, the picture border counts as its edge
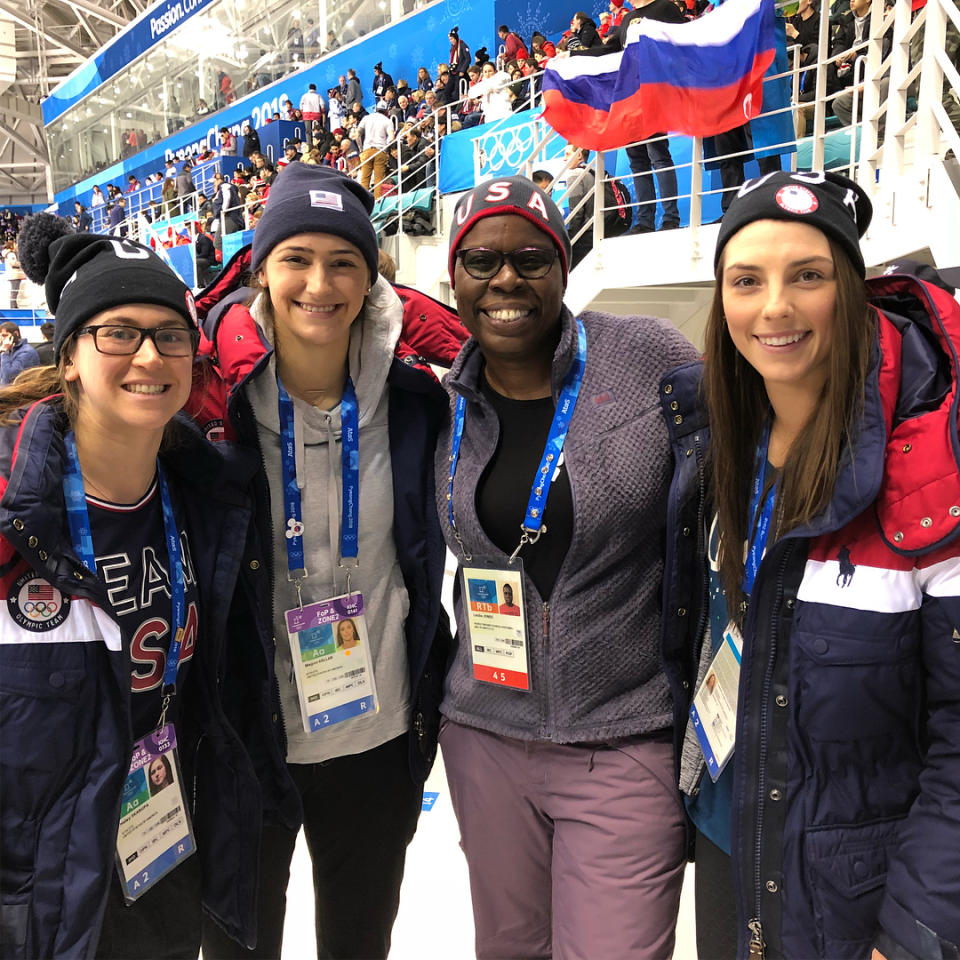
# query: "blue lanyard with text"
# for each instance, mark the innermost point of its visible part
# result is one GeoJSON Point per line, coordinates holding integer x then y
{"type": "Point", "coordinates": [79, 519]}
{"type": "Point", "coordinates": [760, 519]}
{"type": "Point", "coordinates": [350, 477]}
{"type": "Point", "coordinates": [532, 525]}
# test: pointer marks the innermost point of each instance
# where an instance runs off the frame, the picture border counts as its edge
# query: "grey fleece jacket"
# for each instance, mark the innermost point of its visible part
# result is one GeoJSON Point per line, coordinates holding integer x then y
{"type": "Point", "coordinates": [596, 671]}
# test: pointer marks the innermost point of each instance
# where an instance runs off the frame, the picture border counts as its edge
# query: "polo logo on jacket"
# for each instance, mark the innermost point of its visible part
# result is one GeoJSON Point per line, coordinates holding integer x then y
{"type": "Point", "coordinates": [37, 605]}
{"type": "Point", "coordinates": [847, 569]}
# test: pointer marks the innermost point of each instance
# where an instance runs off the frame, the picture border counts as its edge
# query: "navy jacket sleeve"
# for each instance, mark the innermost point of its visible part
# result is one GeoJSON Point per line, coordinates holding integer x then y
{"type": "Point", "coordinates": [920, 915]}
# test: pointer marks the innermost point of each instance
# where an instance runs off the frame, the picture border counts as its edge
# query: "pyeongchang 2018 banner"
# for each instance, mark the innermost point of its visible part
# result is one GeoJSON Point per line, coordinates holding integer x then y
{"type": "Point", "coordinates": [698, 78]}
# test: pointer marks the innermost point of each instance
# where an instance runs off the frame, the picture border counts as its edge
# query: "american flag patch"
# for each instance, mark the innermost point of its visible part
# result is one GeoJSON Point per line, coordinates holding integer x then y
{"type": "Point", "coordinates": [326, 198]}
{"type": "Point", "coordinates": [40, 591]}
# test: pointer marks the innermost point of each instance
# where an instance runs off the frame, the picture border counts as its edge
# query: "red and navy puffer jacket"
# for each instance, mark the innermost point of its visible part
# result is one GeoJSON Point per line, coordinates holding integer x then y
{"type": "Point", "coordinates": [846, 779]}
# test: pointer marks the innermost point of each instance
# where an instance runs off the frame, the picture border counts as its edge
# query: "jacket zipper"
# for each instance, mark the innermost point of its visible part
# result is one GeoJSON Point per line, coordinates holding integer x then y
{"type": "Point", "coordinates": [546, 624]}
{"type": "Point", "coordinates": [757, 946]}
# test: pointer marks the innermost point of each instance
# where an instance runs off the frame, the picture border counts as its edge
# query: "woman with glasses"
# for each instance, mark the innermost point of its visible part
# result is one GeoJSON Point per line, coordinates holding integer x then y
{"type": "Point", "coordinates": [123, 535]}
{"type": "Point", "coordinates": [552, 485]}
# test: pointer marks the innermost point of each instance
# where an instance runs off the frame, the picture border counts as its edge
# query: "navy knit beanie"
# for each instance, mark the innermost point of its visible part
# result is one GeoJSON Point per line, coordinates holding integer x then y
{"type": "Point", "coordinates": [516, 195]}
{"type": "Point", "coordinates": [831, 202]}
{"type": "Point", "coordinates": [84, 274]}
{"type": "Point", "coordinates": [311, 199]}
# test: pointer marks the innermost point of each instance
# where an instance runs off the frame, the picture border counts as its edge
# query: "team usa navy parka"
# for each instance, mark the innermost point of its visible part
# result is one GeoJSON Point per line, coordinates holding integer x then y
{"type": "Point", "coordinates": [846, 774]}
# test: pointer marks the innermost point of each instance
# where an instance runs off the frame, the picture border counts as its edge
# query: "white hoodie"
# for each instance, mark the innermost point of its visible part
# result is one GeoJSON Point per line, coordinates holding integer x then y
{"type": "Point", "coordinates": [373, 340]}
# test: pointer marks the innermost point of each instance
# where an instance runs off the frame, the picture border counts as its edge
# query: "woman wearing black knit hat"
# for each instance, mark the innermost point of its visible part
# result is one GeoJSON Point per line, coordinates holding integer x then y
{"type": "Point", "coordinates": [552, 493]}
{"type": "Point", "coordinates": [813, 540]}
{"type": "Point", "coordinates": [122, 533]}
{"type": "Point", "coordinates": [346, 433]}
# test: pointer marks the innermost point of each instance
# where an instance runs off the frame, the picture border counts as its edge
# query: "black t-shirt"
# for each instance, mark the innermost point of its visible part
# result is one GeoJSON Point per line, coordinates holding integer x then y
{"type": "Point", "coordinates": [504, 488]}
{"type": "Point", "coordinates": [131, 552]}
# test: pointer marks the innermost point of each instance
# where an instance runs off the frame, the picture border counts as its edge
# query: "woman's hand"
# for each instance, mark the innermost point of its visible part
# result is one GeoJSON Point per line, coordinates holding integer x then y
{"type": "Point", "coordinates": [877, 955]}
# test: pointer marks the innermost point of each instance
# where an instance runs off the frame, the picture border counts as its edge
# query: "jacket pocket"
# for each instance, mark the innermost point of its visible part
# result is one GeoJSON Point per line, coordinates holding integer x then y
{"type": "Point", "coordinates": [859, 685]}
{"type": "Point", "coordinates": [847, 872]}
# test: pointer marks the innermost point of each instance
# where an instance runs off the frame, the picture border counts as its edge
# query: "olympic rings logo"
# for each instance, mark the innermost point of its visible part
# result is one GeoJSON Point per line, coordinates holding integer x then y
{"type": "Point", "coordinates": [40, 609]}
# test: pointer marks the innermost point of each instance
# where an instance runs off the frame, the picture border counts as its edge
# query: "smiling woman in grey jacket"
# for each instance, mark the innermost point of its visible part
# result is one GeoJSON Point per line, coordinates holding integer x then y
{"type": "Point", "coordinates": [558, 740]}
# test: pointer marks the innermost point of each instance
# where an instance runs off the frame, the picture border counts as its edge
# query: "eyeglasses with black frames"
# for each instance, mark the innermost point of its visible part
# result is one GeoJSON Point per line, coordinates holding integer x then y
{"type": "Point", "coordinates": [531, 263]}
{"type": "Point", "coordinates": [118, 340]}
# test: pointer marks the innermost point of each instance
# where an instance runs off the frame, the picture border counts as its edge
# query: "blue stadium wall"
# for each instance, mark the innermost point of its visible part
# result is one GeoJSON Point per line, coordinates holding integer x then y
{"type": "Point", "coordinates": [419, 40]}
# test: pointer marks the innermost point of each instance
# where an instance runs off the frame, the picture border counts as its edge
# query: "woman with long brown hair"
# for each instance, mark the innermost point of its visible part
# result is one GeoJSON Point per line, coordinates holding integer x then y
{"type": "Point", "coordinates": [811, 595]}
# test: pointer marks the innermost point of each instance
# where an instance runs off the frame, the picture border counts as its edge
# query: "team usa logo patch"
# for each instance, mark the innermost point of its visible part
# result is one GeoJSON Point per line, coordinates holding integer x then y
{"type": "Point", "coordinates": [36, 604]}
{"type": "Point", "coordinates": [797, 199]}
{"type": "Point", "coordinates": [191, 305]}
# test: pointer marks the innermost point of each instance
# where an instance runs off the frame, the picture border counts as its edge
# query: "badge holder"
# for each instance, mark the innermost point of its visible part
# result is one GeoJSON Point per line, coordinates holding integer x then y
{"type": "Point", "coordinates": [714, 708]}
{"type": "Point", "coordinates": [496, 621]}
{"type": "Point", "coordinates": [155, 832]}
{"type": "Point", "coordinates": [332, 662]}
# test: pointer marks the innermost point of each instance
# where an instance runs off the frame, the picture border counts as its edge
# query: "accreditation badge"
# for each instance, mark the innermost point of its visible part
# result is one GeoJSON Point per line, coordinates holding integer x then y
{"type": "Point", "coordinates": [332, 661]}
{"type": "Point", "coordinates": [496, 622]}
{"type": "Point", "coordinates": [714, 708]}
{"type": "Point", "coordinates": [155, 834]}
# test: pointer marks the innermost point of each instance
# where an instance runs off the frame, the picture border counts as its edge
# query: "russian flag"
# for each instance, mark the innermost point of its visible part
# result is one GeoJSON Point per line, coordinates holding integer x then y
{"type": "Point", "coordinates": [698, 78]}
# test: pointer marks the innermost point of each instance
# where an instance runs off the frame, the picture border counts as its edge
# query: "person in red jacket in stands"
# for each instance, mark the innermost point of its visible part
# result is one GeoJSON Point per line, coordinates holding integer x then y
{"type": "Point", "coordinates": [513, 47]}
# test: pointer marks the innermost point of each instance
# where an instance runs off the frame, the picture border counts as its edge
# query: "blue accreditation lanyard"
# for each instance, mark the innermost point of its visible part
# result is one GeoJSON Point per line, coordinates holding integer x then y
{"type": "Point", "coordinates": [79, 520]}
{"type": "Point", "coordinates": [532, 525]}
{"type": "Point", "coordinates": [350, 476]}
{"type": "Point", "coordinates": [760, 518]}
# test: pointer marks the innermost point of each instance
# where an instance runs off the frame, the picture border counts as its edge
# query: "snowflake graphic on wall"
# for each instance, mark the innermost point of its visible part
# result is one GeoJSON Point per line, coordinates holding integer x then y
{"type": "Point", "coordinates": [456, 9]}
{"type": "Point", "coordinates": [530, 19]}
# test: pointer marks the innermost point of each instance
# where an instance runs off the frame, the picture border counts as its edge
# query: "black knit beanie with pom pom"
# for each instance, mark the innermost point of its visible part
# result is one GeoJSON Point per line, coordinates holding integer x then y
{"type": "Point", "coordinates": [84, 274]}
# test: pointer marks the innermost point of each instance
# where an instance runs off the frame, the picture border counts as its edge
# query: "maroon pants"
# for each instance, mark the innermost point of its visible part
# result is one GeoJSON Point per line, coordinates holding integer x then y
{"type": "Point", "coordinates": [575, 852]}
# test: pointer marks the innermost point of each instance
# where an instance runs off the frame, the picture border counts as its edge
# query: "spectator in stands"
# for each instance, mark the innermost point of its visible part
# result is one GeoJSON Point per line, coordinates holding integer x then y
{"type": "Point", "coordinates": [132, 184]}
{"type": "Point", "coordinates": [185, 186]}
{"type": "Point", "coordinates": [513, 46]}
{"type": "Point", "coordinates": [16, 355]}
{"type": "Point", "coordinates": [228, 143]}
{"type": "Point", "coordinates": [45, 347]}
{"type": "Point", "coordinates": [459, 54]}
{"type": "Point", "coordinates": [584, 34]}
{"type": "Point", "coordinates": [251, 140]}
{"type": "Point", "coordinates": [543, 49]}
{"type": "Point", "coordinates": [117, 216]}
{"type": "Point", "coordinates": [447, 86]}
{"type": "Point", "coordinates": [852, 30]}
{"type": "Point", "coordinates": [424, 80]}
{"type": "Point", "coordinates": [227, 94]}
{"type": "Point", "coordinates": [408, 109]}
{"type": "Point", "coordinates": [290, 155]}
{"type": "Point", "coordinates": [358, 111]}
{"type": "Point", "coordinates": [227, 208]}
{"type": "Point", "coordinates": [84, 221]}
{"type": "Point", "coordinates": [376, 133]}
{"type": "Point", "coordinates": [12, 269]}
{"type": "Point", "coordinates": [414, 169]}
{"type": "Point", "coordinates": [580, 184]}
{"type": "Point", "coordinates": [804, 27]}
{"type": "Point", "coordinates": [429, 106]}
{"type": "Point", "coordinates": [381, 80]}
{"type": "Point", "coordinates": [544, 180]}
{"type": "Point", "coordinates": [295, 42]}
{"type": "Point", "coordinates": [332, 42]}
{"type": "Point", "coordinates": [169, 194]}
{"type": "Point", "coordinates": [206, 253]}
{"type": "Point", "coordinates": [311, 105]}
{"type": "Point", "coordinates": [311, 42]}
{"type": "Point", "coordinates": [492, 92]}
{"type": "Point", "coordinates": [471, 112]}
{"type": "Point", "coordinates": [354, 94]}
{"type": "Point", "coordinates": [96, 198]}
{"type": "Point", "coordinates": [154, 212]}
{"type": "Point", "coordinates": [335, 109]}
{"type": "Point", "coordinates": [202, 109]}
{"type": "Point", "coordinates": [403, 89]}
